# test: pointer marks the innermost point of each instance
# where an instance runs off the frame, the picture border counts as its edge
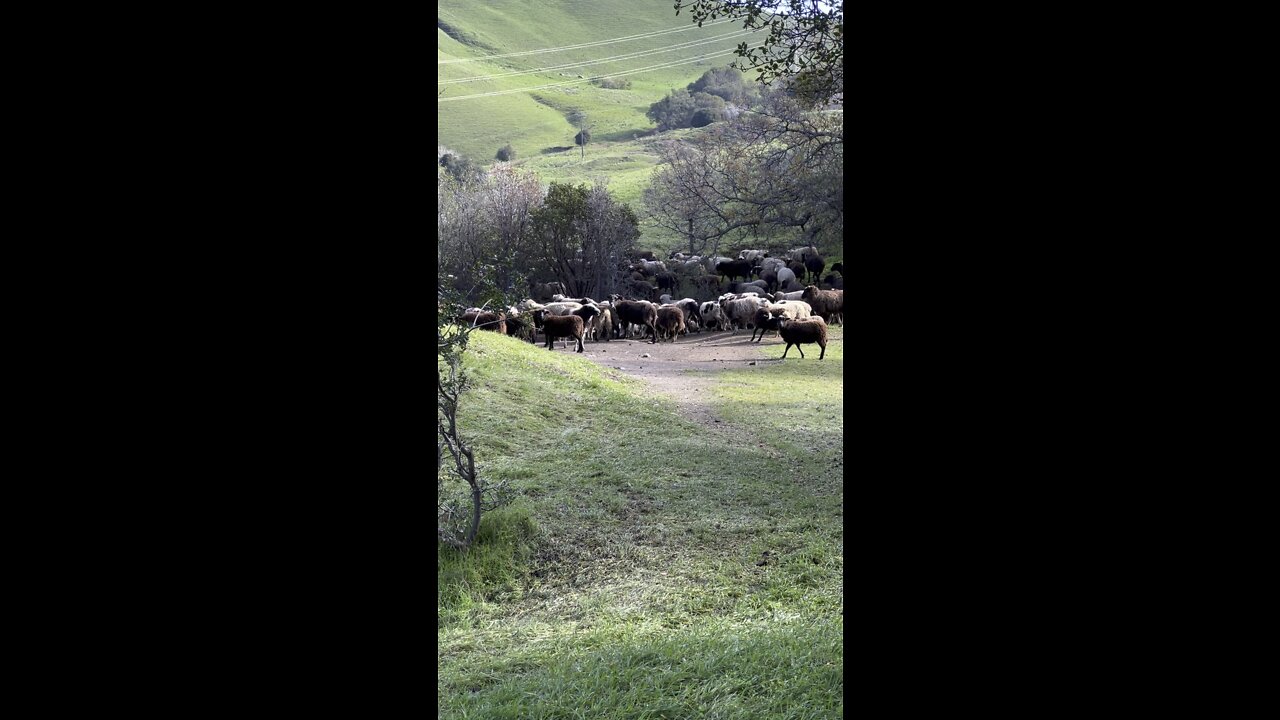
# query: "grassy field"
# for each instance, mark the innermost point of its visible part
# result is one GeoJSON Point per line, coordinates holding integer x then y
{"type": "Point", "coordinates": [651, 568]}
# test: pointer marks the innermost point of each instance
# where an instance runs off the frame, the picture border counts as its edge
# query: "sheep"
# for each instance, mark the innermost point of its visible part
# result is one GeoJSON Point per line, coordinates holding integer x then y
{"type": "Point", "coordinates": [785, 277]}
{"type": "Point", "coordinates": [666, 281]}
{"type": "Point", "coordinates": [692, 314]}
{"type": "Point", "coordinates": [752, 255]}
{"type": "Point", "coordinates": [814, 265]}
{"type": "Point", "coordinates": [794, 310]}
{"type": "Point", "coordinates": [734, 268]}
{"type": "Point", "coordinates": [645, 255]}
{"type": "Point", "coordinates": [638, 313]}
{"type": "Point", "coordinates": [644, 289]}
{"type": "Point", "coordinates": [495, 322]}
{"type": "Point", "coordinates": [740, 312]}
{"type": "Point", "coordinates": [802, 253]}
{"type": "Point", "coordinates": [838, 267]}
{"type": "Point", "coordinates": [652, 267]}
{"type": "Point", "coordinates": [561, 308]}
{"type": "Point", "coordinates": [560, 326]}
{"type": "Point", "coordinates": [772, 263]}
{"type": "Point", "coordinates": [588, 313]}
{"type": "Point", "coordinates": [797, 332]}
{"type": "Point", "coordinates": [528, 306]}
{"type": "Point", "coordinates": [828, 304]}
{"type": "Point", "coordinates": [798, 268]}
{"type": "Point", "coordinates": [603, 324]}
{"type": "Point", "coordinates": [835, 282]}
{"type": "Point", "coordinates": [670, 321]}
{"type": "Point", "coordinates": [796, 295]}
{"type": "Point", "coordinates": [711, 262]}
{"type": "Point", "coordinates": [664, 299]}
{"type": "Point", "coordinates": [710, 312]}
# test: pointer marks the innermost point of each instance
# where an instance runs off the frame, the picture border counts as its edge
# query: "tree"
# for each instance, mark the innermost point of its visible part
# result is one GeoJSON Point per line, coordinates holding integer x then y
{"type": "Point", "coordinates": [484, 229]}
{"type": "Point", "coordinates": [579, 119]}
{"type": "Point", "coordinates": [774, 175]}
{"type": "Point", "coordinates": [584, 236]}
{"type": "Point", "coordinates": [805, 43]}
{"type": "Point", "coordinates": [458, 511]}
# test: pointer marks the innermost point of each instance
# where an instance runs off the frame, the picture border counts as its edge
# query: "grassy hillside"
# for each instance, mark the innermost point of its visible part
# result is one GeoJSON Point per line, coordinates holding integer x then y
{"type": "Point", "coordinates": [652, 568]}
{"type": "Point", "coordinates": [535, 121]}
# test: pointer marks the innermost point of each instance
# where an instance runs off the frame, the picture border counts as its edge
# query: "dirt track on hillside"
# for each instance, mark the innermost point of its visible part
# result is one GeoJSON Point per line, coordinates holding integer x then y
{"type": "Point", "coordinates": [667, 367]}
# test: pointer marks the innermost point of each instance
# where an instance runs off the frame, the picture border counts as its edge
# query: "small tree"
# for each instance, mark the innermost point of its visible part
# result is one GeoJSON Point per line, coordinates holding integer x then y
{"type": "Point", "coordinates": [506, 153]}
{"type": "Point", "coordinates": [458, 514]}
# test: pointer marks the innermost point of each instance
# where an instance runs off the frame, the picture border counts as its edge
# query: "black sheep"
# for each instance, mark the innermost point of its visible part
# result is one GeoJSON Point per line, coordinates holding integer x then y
{"type": "Point", "coordinates": [734, 269]}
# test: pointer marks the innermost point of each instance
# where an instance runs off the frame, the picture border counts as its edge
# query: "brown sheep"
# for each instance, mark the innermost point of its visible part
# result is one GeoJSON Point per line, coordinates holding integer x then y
{"type": "Point", "coordinates": [796, 332]}
{"type": "Point", "coordinates": [560, 326]}
{"type": "Point", "coordinates": [486, 321]}
{"type": "Point", "coordinates": [828, 304]}
{"type": "Point", "coordinates": [631, 312]}
{"type": "Point", "coordinates": [670, 321]}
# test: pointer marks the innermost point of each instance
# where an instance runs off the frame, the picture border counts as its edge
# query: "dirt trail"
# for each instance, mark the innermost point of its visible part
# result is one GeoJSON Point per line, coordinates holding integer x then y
{"type": "Point", "coordinates": [665, 370]}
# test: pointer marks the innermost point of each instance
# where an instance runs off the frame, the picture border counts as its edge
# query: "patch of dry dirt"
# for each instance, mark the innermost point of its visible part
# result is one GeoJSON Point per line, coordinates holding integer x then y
{"type": "Point", "coordinates": [666, 368]}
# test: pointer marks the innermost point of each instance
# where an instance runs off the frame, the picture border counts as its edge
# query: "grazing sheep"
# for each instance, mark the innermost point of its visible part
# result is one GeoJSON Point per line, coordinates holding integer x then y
{"type": "Point", "coordinates": [752, 256]}
{"type": "Point", "coordinates": [798, 332]}
{"type": "Point", "coordinates": [836, 282]}
{"type": "Point", "coordinates": [838, 267]}
{"type": "Point", "coordinates": [670, 321]}
{"type": "Point", "coordinates": [785, 277]}
{"type": "Point", "coordinates": [734, 269]}
{"type": "Point", "coordinates": [632, 312]}
{"type": "Point", "coordinates": [560, 326]}
{"type": "Point", "coordinates": [494, 322]}
{"type": "Point", "coordinates": [827, 304]}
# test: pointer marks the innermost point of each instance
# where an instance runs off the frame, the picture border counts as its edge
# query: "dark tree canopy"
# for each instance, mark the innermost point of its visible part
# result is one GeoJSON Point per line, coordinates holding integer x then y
{"type": "Point", "coordinates": [805, 42]}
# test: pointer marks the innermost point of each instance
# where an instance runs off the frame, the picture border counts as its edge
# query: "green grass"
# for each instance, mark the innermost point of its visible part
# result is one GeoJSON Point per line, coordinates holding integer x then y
{"type": "Point", "coordinates": [649, 569]}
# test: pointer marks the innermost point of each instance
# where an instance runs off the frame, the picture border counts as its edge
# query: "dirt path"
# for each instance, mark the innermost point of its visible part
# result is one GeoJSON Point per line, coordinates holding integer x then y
{"type": "Point", "coordinates": [667, 365]}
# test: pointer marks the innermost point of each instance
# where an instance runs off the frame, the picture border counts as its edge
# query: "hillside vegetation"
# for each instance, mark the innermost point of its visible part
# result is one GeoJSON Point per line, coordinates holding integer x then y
{"type": "Point", "coordinates": [652, 567]}
{"type": "Point", "coordinates": [535, 123]}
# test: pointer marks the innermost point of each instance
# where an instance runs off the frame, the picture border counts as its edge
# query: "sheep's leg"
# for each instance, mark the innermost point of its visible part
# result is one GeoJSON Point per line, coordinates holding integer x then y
{"type": "Point", "coordinates": [824, 352]}
{"type": "Point", "coordinates": [785, 351]}
{"type": "Point", "coordinates": [579, 344]}
{"type": "Point", "coordinates": [801, 349]}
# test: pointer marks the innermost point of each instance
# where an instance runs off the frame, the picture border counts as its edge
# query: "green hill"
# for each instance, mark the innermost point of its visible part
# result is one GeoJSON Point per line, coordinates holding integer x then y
{"type": "Point", "coordinates": [535, 122]}
{"type": "Point", "coordinates": [651, 567]}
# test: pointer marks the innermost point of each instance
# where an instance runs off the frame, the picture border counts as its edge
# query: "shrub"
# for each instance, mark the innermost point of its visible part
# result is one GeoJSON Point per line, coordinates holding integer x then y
{"type": "Point", "coordinates": [506, 153]}
{"type": "Point", "coordinates": [614, 83]}
{"type": "Point", "coordinates": [583, 137]}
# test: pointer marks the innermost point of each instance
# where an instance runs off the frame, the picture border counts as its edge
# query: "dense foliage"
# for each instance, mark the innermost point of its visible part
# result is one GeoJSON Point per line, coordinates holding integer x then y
{"type": "Point", "coordinates": [805, 42]}
{"type": "Point", "coordinates": [773, 175]}
{"type": "Point", "coordinates": [718, 95]}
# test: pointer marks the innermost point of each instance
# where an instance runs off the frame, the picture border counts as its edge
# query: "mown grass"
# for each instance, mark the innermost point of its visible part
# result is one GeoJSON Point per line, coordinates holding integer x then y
{"type": "Point", "coordinates": [652, 568]}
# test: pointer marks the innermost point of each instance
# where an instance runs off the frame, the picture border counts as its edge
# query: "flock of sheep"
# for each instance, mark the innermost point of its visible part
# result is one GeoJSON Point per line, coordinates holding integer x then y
{"type": "Point", "coordinates": [800, 316]}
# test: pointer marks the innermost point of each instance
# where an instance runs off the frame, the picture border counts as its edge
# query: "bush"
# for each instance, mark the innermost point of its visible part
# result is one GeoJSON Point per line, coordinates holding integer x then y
{"type": "Point", "coordinates": [614, 83]}
{"type": "Point", "coordinates": [506, 153]}
{"type": "Point", "coordinates": [583, 137]}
